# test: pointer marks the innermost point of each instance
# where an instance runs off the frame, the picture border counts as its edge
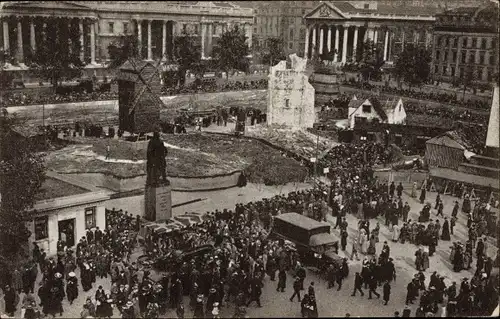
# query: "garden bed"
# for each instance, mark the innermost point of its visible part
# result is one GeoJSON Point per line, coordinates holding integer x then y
{"type": "Point", "coordinates": [189, 155]}
{"type": "Point", "coordinates": [300, 142]}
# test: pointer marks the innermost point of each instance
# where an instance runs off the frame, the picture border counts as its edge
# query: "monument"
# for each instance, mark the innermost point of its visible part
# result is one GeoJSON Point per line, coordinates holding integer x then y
{"type": "Point", "coordinates": [139, 104]}
{"type": "Point", "coordinates": [493, 137]}
{"type": "Point", "coordinates": [158, 193]}
{"type": "Point", "coordinates": [290, 96]}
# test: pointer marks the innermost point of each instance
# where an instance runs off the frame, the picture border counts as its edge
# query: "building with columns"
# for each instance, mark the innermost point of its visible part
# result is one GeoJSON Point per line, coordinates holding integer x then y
{"type": "Point", "coordinates": [101, 23]}
{"type": "Point", "coordinates": [343, 26]}
{"type": "Point", "coordinates": [280, 19]}
{"type": "Point", "coordinates": [466, 42]}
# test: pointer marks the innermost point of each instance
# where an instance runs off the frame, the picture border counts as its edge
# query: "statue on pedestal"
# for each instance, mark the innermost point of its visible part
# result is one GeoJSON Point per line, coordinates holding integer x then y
{"type": "Point", "coordinates": [156, 164]}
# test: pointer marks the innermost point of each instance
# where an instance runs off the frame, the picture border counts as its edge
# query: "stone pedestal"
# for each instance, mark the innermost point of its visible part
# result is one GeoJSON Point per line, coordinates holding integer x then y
{"type": "Point", "coordinates": [158, 202]}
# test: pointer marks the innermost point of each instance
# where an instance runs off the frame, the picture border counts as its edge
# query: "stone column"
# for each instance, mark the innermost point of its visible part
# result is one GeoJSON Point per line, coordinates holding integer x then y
{"type": "Point", "coordinates": [20, 53]}
{"type": "Point", "coordinates": [306, 49]}
{"type": "Point", "coordinates": [337, 35]}
{"type": "Point", "coordinates": [386, 44]}
{"type": "Point", "coordinates": [32, 35]}
{"type": "Point", "coordinates": [139, 38]}
{"type": "Point", "coordinates": [250, 35]}
{"type": "Point", "coordinates": [428, 38]}
{"type": "Point", "coordinates": [403, 39]}
{"type": "Point", "coordinates": [92, 42]}
{"type": "Point", "coordinates": [329, 39]}
{"type": "Point", "coordinates": [355, 44]}
{"type": "Point", "coordinates": [69, 38]}
{"type": "Point", "coordinates": [164, 40]}
{"type": "Point", "coordinates": [314, 50]}
{"type": "Point", "coordinates": [321, 40]}
{"type": "Point", "coordinates": [150, 48]}
{"type": "Point", "coordinates": [344, 45]}
{"type": "Point", "coordinates": [209, 39]}
{"type": "Point", "coordinates": [375, 36]}
{"type": "Point", "coordinates": [44, 30]}
{"type": "Point", "coordinates": [203, 35]}
{"type": "Point", "coordinates": [6, 41]}
{"type": "Point", "coordinates": [174, 27]}
{"type": "Point", "coordinates": [82, 50]}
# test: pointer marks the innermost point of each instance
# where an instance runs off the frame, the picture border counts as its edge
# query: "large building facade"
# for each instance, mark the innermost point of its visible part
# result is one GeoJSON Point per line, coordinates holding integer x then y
{"type": "Point", "coordinates": [465, 44]}
{"type": "Point", "coordinates": [101, 23]}
{"type": "Point", "coordinates": [343, 27]}
{"type": "Point", "coordinates": [281, 19]}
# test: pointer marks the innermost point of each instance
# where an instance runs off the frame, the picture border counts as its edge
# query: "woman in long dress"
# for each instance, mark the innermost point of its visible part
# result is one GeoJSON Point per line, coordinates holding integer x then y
{"type": "Point", "coordinates": [371, 247]}
{"type": "Point", "coordinates": [445, 235]}
{"type": "Point", "coordinates": [396, 233]}
{"type": "Point", "coordinates": [452, 252]}
{"type": "Point", "coordinates": [376, 231]}
{"type": "Point", "coordinates": [414, 190]}
{"type": "Point", "coordinates": [422, 195]}
{"type": "Point", "coordinates": [363, 241]}
{"type": "Point", "coordinates": [425, 261]}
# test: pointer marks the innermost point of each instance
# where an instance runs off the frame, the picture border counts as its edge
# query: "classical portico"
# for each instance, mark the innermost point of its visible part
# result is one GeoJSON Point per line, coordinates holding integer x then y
{"type": "Point", "coordinates": [348, 27]}
{"type": "Point", "coordinates": [155, 24]}
{"type": "Point", "coordinates": [24, 24]}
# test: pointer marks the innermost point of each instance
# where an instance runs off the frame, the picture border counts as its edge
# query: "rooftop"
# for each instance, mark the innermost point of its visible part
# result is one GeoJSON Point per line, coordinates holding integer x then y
{"type": "Point", "coordinates": [54, 188]}
{"type": "Point", "coordinates": [300, 220]}
{"type": "Point", "coordinates": [386, 9]}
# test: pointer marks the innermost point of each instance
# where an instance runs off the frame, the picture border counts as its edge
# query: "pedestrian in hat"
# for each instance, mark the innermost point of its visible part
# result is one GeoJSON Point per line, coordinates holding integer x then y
{"type": "Point", "coordinates": [387, 292]}
{"type": "Point", "coordinates": [11, 299]}
{"type": "Point", "coordinates": [72, 287]}
{"type": "Point", "coordinates": [297, 285]}
{"type": "Point", "coordinates": [199, 311]}
{"type": "Point", "coordinates": [180, 310]}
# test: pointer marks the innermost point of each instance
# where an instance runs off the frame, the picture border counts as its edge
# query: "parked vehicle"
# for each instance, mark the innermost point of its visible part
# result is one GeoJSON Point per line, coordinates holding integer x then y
{"type": "Point", "coordinates": [312, 239]}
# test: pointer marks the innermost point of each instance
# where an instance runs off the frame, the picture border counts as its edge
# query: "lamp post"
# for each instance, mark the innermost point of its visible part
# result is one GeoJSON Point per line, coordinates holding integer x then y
{"type": "Point", "coordinates": [317, 150]}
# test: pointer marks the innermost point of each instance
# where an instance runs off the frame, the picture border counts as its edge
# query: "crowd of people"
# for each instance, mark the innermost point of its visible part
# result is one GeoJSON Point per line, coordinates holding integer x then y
{"type": "Point", "coordinates": [441, 97]}
{"type": "Point", "coordinates": [29, 98]}
{"type": "Point", "coordinates": [223, 259]}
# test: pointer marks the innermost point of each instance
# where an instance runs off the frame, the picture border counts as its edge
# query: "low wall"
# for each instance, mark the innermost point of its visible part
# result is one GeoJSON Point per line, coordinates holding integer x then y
{"type": "Point", "coordinates": [179, 183]}
{"type": "Point", "coordinates": [401, 176]}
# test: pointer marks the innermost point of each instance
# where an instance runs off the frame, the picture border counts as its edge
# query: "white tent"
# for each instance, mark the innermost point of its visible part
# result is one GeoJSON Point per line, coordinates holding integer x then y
{"type": "Point", "coordinates": [496, 312]}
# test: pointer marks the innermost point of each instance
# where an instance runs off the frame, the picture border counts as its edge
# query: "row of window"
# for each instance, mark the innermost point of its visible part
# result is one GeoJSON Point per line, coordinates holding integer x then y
{"type": "Point", "coordinates": [485, 74]}
{"type": "Point", "coordinates": [42, 223]}
{"type": "Point", "coordinates": [453, 42]}
{"type": "Point", "coordinates": [463, 57]}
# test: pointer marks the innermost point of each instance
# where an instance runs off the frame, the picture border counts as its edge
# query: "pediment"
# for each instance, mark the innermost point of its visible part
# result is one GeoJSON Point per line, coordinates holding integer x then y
{"type": "Point", "coordinates": [326, 11]}
{"type": "Point", "coordinates": [50, 5]}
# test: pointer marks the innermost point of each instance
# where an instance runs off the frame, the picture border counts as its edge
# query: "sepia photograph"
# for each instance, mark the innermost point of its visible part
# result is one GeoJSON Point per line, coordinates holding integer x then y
{"type": "Point", "coordinates": [249, 159]}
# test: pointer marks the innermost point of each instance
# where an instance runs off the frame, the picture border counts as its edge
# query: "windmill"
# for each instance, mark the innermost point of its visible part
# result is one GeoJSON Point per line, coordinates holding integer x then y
{"type": "Point", "coordinates": [139, 103]}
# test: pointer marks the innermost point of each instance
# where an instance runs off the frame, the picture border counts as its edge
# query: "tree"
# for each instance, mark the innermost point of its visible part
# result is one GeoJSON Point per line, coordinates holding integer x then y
{"type": "Point", "coordinates": [22, 173]}
{"type": "Point", "coordinates": [231, 51]}
{"type": "Point", "coordinates": [371, 61]}
{"type": "Point", "coordinates": [57, 56]}
{"type": "Point", "coordinates": [413, 65]}
{"type": "Point", "coordinates": [187, 55]}
{"type": "Point", "coordinates": [274, 52]}
{"type": "Point", "coordinates": [127, 47]}
{"type": "Point", "coordinates": [469, 79]}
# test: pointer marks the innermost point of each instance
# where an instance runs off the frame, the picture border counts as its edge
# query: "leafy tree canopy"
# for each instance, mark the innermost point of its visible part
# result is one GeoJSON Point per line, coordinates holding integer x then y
{"type": "Point", "coordinates": [57, 56]}
{"type": "Point", "coordinates": [413, 65]}
{"type": "Point", "coordinates": [371, 60]}
{"type": "Point", "coordinates": [232, 50]}
{"type": "Point", "coordinates": [22, 173]}
{"type": "Point", "coordinates": [125, 48]}
{"type": "Point", "coordinates": [274, 51]}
